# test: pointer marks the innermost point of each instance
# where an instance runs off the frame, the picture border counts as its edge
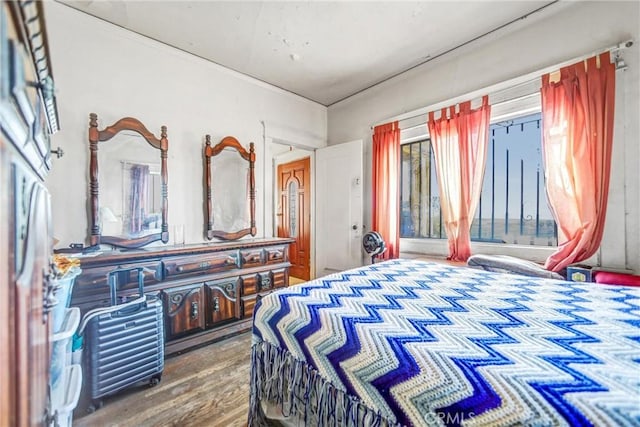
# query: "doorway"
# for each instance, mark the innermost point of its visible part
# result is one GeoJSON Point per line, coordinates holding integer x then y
{"type": "Point", "coordinates": [293, 213]}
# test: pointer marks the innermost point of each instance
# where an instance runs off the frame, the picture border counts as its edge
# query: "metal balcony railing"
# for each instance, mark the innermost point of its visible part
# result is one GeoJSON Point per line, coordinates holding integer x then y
{"type": "Point", "coordinates": [512, 207]}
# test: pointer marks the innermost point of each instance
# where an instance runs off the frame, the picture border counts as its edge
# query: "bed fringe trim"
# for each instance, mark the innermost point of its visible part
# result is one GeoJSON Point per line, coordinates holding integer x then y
{"type": "Point", "coordinates": [301, 393]}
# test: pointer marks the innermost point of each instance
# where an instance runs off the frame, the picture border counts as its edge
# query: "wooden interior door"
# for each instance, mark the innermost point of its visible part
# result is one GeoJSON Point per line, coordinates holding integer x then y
{"type": "Point", "coordinates": [294, 213]}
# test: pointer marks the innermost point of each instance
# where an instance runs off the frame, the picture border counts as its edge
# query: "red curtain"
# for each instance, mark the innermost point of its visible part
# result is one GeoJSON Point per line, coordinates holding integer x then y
{"type": "Point", "coordinates": [459, 144]}
{"type": "Point", "coordinates": [386, 188]}
{"type": "Point", "coordinates": [577, 118]}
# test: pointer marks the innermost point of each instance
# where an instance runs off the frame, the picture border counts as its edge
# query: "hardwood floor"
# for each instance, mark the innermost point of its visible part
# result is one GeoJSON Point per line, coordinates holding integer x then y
{"type": "Point", "coordinates": [208, 386]}
{"type": "Point", "coordinates": [295, 280]}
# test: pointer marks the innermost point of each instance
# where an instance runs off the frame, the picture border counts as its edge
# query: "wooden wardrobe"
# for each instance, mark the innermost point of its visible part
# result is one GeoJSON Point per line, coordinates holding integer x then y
{"type": "Point", "coordinates": [27, 117]}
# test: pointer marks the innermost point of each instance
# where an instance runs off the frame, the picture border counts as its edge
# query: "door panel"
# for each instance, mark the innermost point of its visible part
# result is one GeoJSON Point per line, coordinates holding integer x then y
{"type": "Point", "coordinates": [31, 258]}
{"type": "Point", "coordinates": [294, 213]}
{"type": "Point", "coordinates": [339, 207]}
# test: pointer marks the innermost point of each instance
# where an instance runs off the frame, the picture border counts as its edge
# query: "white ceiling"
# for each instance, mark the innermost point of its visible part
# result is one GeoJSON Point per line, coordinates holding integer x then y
{"type": "Point", "coordinates": [323, 51]}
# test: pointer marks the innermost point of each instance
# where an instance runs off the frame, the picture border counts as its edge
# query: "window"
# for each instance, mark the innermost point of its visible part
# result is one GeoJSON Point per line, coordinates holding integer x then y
{"type": "Point", "coordinates": [420, 215]}
{"type": "Point", "coordinates": [513, 207]}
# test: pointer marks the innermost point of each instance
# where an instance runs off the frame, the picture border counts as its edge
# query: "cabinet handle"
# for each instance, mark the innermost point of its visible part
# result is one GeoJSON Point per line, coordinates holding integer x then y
{"type": "Point", "coordinates": [216, 304]}
{"type": "Point", "coordinates": [194, 310]}
{"type": "Point", "coordinates": [201, 266]}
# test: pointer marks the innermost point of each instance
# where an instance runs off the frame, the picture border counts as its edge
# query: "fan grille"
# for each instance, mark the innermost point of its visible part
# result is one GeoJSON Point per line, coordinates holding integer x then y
{"type": "Point", "coordinates": [373, 243]}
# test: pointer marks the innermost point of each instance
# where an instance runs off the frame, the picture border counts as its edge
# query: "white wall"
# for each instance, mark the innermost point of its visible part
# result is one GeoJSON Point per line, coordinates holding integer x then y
{"type": "Point", "coordinates": [101, 68]}
{"type": "Point", "coordinates": [561, 32]}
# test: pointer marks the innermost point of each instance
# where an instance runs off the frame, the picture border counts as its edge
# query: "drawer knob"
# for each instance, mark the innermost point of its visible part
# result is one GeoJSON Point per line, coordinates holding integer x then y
{"type": "Point", "coordinates": [180, 269]}
{"type": "Point", "coordinates": [216, 304]}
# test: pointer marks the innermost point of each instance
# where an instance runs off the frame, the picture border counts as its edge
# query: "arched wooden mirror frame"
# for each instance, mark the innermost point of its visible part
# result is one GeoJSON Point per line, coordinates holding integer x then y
{"type": "Point", "coordinates": [249, 156]}
{"type": "Point", "coordinates": [162, 144]}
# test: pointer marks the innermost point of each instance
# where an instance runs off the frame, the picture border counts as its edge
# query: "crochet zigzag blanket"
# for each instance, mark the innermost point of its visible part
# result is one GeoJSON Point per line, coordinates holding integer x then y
{"type": "Point", "coordinates": [411, 343]}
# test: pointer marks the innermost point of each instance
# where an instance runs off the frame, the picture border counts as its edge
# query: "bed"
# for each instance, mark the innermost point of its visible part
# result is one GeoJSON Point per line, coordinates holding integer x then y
{"type": "Point", "coordinates": [407, 342]}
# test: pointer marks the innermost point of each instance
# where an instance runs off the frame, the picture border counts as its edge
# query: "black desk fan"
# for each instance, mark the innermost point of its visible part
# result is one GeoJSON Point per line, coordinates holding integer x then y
{"type": "Point", "coordinates": [373, 244]}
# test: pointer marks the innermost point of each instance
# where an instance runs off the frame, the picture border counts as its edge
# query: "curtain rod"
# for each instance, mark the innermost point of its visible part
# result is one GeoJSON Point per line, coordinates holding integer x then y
{"type": "Point", "coordinates": [529, 79]}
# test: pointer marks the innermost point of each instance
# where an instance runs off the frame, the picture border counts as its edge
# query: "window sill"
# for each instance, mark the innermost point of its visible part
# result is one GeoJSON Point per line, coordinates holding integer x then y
{"type": "Point", "coordinates": [439, 247]}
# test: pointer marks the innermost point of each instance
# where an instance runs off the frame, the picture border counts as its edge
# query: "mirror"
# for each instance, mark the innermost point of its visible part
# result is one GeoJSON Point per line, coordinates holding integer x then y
{"type": "Point", "coordinates": [230, 185]}
{"type": "Point", "coordinates": [128, 185]}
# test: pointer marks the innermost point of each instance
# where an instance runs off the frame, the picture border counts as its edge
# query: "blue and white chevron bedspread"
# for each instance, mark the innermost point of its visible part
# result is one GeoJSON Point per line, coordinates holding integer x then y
{"type": "Point", "coordinates": [424, 344]}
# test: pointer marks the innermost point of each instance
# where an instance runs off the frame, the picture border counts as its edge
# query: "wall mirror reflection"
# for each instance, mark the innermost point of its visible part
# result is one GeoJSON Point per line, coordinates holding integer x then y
{"type": "Point", "coordinates": [230, 186]}
{"type": "Point", "coordinates": [128, 184]}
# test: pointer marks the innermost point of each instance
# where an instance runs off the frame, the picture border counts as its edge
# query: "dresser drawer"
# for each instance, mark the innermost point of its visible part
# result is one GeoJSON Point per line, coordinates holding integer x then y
{"type": "Point", "coordinates": [94, 283]}
{"type": "Point", "coordinates": [280, 278]}
{"type": "Point", "coordinates": [98, 276]}
{"type": "Point", "coordinates": [200, 264]}
{"type": "Point", "coordinates": [251, 258]}
{"type": "Point", "coordinates": [276, 254]}
{"type": "Point", "coordinates": [250, 284]}
{"type": "Point", "coordinates": [246, 306]}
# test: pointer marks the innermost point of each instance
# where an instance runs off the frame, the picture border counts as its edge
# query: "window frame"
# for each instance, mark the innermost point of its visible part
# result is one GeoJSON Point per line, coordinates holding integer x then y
{"type": "Point", "coordinates": [507, 104]}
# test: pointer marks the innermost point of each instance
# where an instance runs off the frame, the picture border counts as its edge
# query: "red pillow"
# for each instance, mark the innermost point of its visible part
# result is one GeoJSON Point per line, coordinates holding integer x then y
{"type": "Point", "coordinates": [610, 278]}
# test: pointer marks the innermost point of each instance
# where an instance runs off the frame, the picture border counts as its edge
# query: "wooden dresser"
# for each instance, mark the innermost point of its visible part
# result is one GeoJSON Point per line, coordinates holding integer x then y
{"type": "Point", "coordinates": [208, 291]}
{"type": "Point", "coordinates": [27, 117]}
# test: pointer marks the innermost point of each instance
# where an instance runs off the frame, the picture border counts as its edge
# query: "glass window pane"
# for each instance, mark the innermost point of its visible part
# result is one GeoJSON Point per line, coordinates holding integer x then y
{"type": "Point", "coordinates": [415, 189]}
{"type": "Point", "coordinates": [424, 189]}
{"type": "Point", "coordinates": [293, 208]}
{"type": "Point", "coordinates": [514, 206]}
{"type": "Point", "coordinates": [406, 227]}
